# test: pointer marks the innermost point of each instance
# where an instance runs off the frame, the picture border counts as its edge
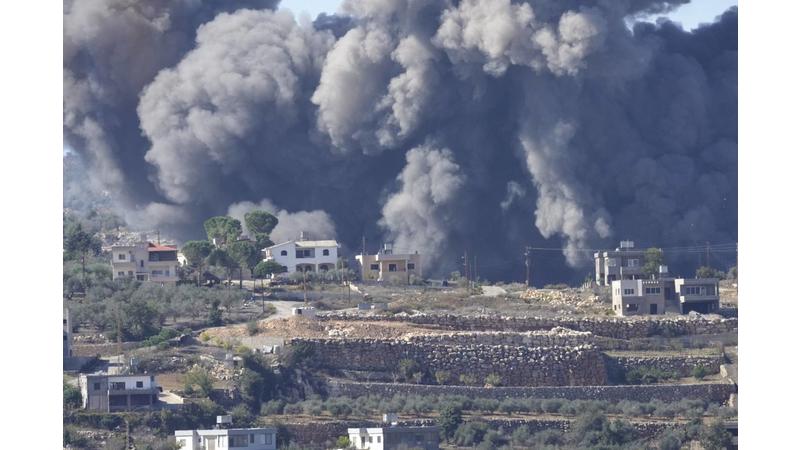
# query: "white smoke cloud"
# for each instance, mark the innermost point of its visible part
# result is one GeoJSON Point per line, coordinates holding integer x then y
{"type": "Point", "coordinates": [351, 85]}
{"type": "Point", "coordinates": [317, 224]}
{"type": "Point", "coordinates": [563, 205]}
{"type": "Point", "coordinates": [499, 33]}
{"type": "Point", "coordinates": [514, 191]}
{"type": "Point", "coordinates": [245, 76]}
{"type": "Point", "coordinates": [417, 217]}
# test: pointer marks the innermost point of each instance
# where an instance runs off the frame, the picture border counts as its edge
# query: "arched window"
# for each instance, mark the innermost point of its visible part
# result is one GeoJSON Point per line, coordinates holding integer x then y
{"type": "Point", "coordinates": [326, 252]}
{"type": "Point", "coordinates": [283, 253]}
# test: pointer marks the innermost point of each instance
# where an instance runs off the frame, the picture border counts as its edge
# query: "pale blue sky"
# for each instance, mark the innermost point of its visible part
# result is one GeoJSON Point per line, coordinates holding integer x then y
{"type": "Point", "coordinates": [691, 15]}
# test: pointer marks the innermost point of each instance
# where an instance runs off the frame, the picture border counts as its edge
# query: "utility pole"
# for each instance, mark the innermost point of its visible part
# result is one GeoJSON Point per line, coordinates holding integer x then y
{"type": "Point", "coordinates": [527, 266]}
{"type": "Point", "coordinates": [708, 254]}
{"type": "Point", "coordinates": [158, 236]}
{"type": "Point", "coordinates": [475, 267]}
{"type": "Point", "coordinates": [466, 266]}
{"type": "Point", "coordinates": [305, 297]}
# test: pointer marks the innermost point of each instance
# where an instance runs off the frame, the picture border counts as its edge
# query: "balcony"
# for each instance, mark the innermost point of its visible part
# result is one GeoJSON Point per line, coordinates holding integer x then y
{"type": "Point", "coordinates": [637, 270]}
{"type": "Point", "coordinates": [689, 298]}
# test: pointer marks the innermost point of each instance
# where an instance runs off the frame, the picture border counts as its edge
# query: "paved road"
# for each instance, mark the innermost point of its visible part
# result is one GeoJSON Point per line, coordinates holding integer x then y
{"type": "Point", "coordinates": [283, 308]}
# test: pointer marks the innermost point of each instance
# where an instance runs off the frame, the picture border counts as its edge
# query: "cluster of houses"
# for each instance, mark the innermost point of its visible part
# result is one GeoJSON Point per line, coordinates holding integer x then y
{"type": "Point", "coordinates": [143, 260]}
{"type": "Point", "coordinates": [634, 293]}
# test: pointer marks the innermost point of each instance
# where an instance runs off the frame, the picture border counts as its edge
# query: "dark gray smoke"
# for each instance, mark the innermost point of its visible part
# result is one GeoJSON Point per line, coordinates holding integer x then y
{"type": "Point", "coordinates": [442, 125]}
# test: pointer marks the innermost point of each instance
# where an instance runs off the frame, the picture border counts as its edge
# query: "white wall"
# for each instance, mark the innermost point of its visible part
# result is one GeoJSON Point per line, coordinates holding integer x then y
{"type": "Point", "coordinates": [291, 261]}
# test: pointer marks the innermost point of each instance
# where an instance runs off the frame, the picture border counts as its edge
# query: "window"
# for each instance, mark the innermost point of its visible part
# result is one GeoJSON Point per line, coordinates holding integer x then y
{"type": "Point", "coordinates": [238, 441]}
{"type": "Point", "coordinates": [692, 290]}
{"type": "Point", "coordinates": [140, 277]}
{"type": "Point", "coordinates": [140, 384]}
{"type": "Point", "coordinates": [628, 291]}
{"type": "Point", "coordinates": [267, 438]}
{"type": "Point", "coordinates": [652, 290]}
{"type": "Point", "coordinates": [369, 439]}
{"type": "Point", "coordinates": [653, 308]}
{"type": "Point", "coordinates": [252, 438]}
{"type": "Point", "coordinates": [117, 385]}
{"type": "Point", "coordinates": [97, 386]}
{"type": "Point", "coordinates": [611, 262]}
{"type": "Point", "coordinates": [632, 307]}
{"type": "Point", "coordinates": [379, 439]}
{"type": "Point", "coordinates": [283, 253]}
{"type": "Point", "coordinates": [166, 273]}
{"type": "Point", "coordinates": [633, 263]}
{"type": "Point", "coordinates": [141, 263]}
{"type": "Point", "coordinates": [411, 266]}
{"type": "Point", "coordinates": [121, 256]}
{"type": "Point", "coordinates": [326, 252]}
{"type": "Point", "coordinates": [130, 273]}
{"type": "Point", "coordinates": [120, 274]}
{"type": "Point", "coordinates": [156, 272]}
{"type": "Point", "coordinates": [374, 267]}
{"type": "Point", "coordinates": [392, 267]}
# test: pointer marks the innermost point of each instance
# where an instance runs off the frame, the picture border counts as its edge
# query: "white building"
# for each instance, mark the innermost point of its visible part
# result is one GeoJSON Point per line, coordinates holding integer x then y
{"type": "Point", "coordinates": [110, 393]}
{"type": "Point", "coordinates": [392, 436]}
{"type": "Point", "coordinates": [249, 438]}
{"type": "Point", "coordinates": [304, 256]}
{"type": "Point", "coordinates": [144, 261]}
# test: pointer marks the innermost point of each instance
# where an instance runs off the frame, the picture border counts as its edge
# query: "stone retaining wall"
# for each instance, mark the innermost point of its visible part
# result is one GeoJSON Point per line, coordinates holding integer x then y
{"type": "Point", "coordinates": [619, 328]}
{"type": "Point", "coordinates": [516, 365]}
{"type": "Point", "coordinates": [557, 337]}
{"type": "Point", "coordinates": [712, 392]}
{"type": "Point", "coordinates": [680, 364]}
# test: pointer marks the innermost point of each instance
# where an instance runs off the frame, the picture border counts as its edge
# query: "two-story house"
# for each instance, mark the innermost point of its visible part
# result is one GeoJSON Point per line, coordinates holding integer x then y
{"type": "Point", "coordinates": [623, 263]}
{"type": "Point", "coordinates": [224, 438]}
{"type": "Point", "coordinates": [304, 255]}
{"type": "Point", "coordinates": [697, 294]}
{"type": "Point", "coordinates": [144, 261]}
{"type": "Point", "coordinates": [394, 437]}
{"type": "Point", "coordinates": [110, 393]}
{"type": "Point", "coordinates": [388, 266]}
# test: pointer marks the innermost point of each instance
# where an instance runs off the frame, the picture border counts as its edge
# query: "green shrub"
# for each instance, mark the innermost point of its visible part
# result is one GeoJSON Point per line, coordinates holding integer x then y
{"type": "Point", "coordinates": [493, 380]}
{"type": "Point", "coordinates": [470, 433]}
{"type": "Point", "coordinates": [648, 375]}
{"type": "Point", "coordinates": [467, 379]}
{"type": "Point", "coordinates": [449, 420]}
{"type": "Point", "coordinates": [343, 442]}
{"type": "Point", "coordinates": [252, 328]}
{"type": "Point", "coordinates": [552, 405]}
{"type": "Point", "coordinates": [699, 372]}
{"type": "Point", "coordinates": [272, 407]}
{"type": "Point", "coordinates": [442, 376]}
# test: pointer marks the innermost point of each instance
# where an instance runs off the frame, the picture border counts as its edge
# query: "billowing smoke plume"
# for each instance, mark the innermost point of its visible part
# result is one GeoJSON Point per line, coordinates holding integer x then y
{"type": "Point", "coordinates": [442, 125]}
{"type": "Point", "coordinates": [316, 224]}
{"type": "Point", "coordinates": [420, 215]}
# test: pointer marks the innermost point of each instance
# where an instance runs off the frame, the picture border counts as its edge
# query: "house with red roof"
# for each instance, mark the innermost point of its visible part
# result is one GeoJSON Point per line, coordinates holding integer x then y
{"type": "Point", "coordinates": [145, 261]}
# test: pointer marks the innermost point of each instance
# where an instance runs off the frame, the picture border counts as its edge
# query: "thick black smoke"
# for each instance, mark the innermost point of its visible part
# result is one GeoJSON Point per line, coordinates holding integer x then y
{"type": "Point", "coordinates": [442, 125]}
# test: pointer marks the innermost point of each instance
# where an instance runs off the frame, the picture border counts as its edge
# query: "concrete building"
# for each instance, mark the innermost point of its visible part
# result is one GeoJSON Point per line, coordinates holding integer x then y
{"type": "Point", "coordinates": [388, 266]}
{"type": "Point", "coordinates": [697, 294]}
{"type": "Point", "coordinates": [623, 263]}
{"type": "Point", "coordinates": [110, 393]}
{"type": "Point", "coordinates": [391, 437]}
{"type": "Point", "coordinates": [67, 325]}
{"type": "Point", "coordinates": [144, 261]}
{"type": "Point", "coordinates": [249, 438]}
{"type": "Point", "coordinates": [304, 255]}
{"type": "Point", "coordinates": [639, 297]}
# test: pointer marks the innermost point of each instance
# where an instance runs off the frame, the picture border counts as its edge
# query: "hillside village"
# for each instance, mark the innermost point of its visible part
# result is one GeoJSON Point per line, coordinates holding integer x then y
{"type": "Point", "coordinates": [240, 342]}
